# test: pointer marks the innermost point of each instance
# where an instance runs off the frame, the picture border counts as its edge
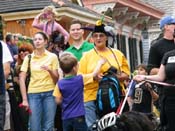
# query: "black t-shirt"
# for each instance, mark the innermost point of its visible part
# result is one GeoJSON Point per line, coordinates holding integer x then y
{"type": "Point", "coordinates": [142, 99]}
{"type": "Point", "coordinates": [158, 50]}
{"type": "Point", "coordinates": [169, 62]}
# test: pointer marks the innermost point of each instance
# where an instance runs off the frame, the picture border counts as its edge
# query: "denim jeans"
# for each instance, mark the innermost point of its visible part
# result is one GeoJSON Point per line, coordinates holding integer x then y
{"type": "Point", "coordinates": [43, 109]}
{"type": "Point", "coordinates": [90, 115]}
{"type": "Point", "coordinates": [75, 124]}
{"type": "Point", "coordinates": [2, 111]}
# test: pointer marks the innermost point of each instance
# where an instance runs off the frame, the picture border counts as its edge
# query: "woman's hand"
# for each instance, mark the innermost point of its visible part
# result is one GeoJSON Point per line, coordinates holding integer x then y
{"type": "Point", "coordinates": [53, 73]}
{"type": "Point", "coordinates": [45, 68]}
{"type": "Point", "coordinates": [25, 104]}
{"type": "Point", "coordinates": [40, 15]}
{"type": "Point", "coordinates": [98, 77]}
{"type": "Point", "coordinates": [96, 73]}
{"type": "Point", "coordinates": [102, 61]}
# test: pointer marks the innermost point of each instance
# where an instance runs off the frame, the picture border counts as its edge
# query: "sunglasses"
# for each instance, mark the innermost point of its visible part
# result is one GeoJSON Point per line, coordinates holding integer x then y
{"type": "Point", "coordinates": [47, 14]}
{"type": "Point", "coordinates": [22, 50]}
{"type": "Point", "coordinates": [98, 35]}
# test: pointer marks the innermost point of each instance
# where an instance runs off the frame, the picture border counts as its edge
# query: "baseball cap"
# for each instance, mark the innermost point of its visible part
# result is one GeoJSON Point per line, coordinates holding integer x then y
{"type": "Point", "coordinates": [166, 20]}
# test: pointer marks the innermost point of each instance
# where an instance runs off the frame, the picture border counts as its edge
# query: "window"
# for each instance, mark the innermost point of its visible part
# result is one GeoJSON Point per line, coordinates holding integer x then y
{"type": "Point", "coordinates": [133, 53]}
{"type": "Point", "coordinates": [121, 43]}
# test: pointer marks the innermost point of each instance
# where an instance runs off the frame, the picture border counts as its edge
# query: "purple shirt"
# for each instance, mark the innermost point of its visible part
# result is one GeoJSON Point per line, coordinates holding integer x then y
{"type": "Point", "coordinates": [58, 27]}
{"type": "Point", "coordinates": [72, 92]}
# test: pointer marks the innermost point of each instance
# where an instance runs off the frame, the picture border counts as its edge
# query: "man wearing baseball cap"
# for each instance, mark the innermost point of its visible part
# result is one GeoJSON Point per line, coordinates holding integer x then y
{"type": "Point", "coordinates": [157, 51]}
{"type": "Point", "coordinates": [163, 45]}
{"type": "Point", "coordinates": [168, 20]}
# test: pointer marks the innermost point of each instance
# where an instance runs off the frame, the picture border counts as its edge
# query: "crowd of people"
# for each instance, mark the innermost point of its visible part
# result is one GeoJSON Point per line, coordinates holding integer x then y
{"type": "Point", "coordinates": [56, 82]}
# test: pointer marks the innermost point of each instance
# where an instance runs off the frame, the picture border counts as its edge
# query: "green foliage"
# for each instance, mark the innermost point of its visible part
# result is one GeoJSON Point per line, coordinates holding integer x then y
{"type": "Point", "coordinates": [23, 39]}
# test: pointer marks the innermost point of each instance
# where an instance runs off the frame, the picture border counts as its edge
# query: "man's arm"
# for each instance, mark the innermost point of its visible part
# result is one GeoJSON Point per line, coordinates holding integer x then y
{"type": "Point", "coordinates": [7, 59]}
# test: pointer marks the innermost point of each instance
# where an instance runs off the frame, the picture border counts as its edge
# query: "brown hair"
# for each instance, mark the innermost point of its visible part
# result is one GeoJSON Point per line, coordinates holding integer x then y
{"type": "Point", "coordinates": [75, 21]}
{"type": "Point", "coordinates": [43, 35]}
{"type": "Point", "coordinates": [67, 61]}
{"type": "Point", "coordinates": [143, 66]}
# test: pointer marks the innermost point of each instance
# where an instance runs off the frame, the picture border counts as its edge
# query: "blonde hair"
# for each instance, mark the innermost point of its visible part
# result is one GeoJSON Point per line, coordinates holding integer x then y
{"type": "Point", "coordinates": [50, 8]}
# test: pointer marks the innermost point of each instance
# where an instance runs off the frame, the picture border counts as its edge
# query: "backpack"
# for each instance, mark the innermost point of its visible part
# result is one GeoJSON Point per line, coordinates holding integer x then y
{"type": "Point", "coordinates": [109, 93]}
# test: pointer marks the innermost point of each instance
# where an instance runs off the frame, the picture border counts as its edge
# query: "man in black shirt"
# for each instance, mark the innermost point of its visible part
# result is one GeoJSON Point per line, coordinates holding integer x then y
{"type": "Point", "coordinates": [163, 45]}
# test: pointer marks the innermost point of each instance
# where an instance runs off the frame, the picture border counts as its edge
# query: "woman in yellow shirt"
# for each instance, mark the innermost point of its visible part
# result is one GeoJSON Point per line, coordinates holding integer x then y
{"type": "Point", "coordinates": [44, 75]}
{"type": "Point", "coordinates": [89, 62]}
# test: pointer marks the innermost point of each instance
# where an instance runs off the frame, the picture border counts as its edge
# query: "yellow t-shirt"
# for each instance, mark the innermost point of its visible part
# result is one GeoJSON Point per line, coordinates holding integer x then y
{"type": "Point", "coordinates": [40, 80]}
{"type": "Point", "coordinates": [89, 62]}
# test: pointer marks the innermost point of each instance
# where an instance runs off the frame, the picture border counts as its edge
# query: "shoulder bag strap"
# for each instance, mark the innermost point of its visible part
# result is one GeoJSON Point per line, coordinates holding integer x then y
{"type": "Point", "coordinates": [101, 56]}
{"type": "Point", "coordinates": [108, 60]}
{"type": "Point", "coordinates": [51, 27]}
{"type": "Point", "coordinates": [115, 59]}
{"type": "Point", "coordinates": [28, 68]}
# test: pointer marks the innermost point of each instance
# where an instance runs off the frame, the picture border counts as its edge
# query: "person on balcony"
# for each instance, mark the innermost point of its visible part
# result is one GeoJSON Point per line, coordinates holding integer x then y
{"type": "Point", "coordinates": [46, 22]}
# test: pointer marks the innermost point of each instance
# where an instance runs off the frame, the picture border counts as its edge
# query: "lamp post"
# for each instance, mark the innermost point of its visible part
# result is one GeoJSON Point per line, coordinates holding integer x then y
{"type": "Point", "coordinates": [145, 33]}
{"type": "Point", "coordinates": [145, 45]}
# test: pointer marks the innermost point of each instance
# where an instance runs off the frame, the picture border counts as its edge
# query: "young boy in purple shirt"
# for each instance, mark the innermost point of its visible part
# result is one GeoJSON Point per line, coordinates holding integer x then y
{"type": "Point", "coordinates": [70, 93]}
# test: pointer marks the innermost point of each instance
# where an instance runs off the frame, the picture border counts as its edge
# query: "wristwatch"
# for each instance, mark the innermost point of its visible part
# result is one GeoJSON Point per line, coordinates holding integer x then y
{"type": "Point", "coordinates": [145, 78]}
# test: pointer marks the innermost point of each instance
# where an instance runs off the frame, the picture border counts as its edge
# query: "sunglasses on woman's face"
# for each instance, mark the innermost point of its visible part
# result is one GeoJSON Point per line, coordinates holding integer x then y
{"type": "Point", "coordinates": [22, 50]}
{"type": "Point", "coordinates": [47, 14]}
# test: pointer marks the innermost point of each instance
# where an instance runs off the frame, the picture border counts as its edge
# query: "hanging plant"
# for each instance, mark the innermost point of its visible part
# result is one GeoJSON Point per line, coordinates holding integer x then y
{"type": "Point", "coordinates": [24, 39]}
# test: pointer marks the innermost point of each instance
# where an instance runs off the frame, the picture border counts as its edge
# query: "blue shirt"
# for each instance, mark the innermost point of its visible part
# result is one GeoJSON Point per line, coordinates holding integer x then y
{"type": "Point", "coordinates": [14, 51]}
{"type": "Point", "coordinates": [71, 89]}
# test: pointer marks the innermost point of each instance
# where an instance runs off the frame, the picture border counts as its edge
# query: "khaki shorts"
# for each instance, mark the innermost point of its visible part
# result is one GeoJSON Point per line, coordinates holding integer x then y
{"type": "Point", "coordinates": [7, 112]}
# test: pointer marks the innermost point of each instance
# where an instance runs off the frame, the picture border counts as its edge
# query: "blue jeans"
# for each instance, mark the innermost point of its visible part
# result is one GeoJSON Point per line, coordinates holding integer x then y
{"type": "Point", "coordinates": [75, 124]}
{"type": "Point", "coordinates": [43, 109]}
{"type": "Point", "coordinates": [2, 111]}
{"type": "Point", "coordinates": [91, 116]}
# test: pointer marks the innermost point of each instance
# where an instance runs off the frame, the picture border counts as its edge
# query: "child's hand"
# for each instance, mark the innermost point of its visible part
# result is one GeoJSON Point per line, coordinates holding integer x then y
{"type": "Point", "coordinates": [139, 78]}
{"type": "Point", "coordinates": [149, 87]}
